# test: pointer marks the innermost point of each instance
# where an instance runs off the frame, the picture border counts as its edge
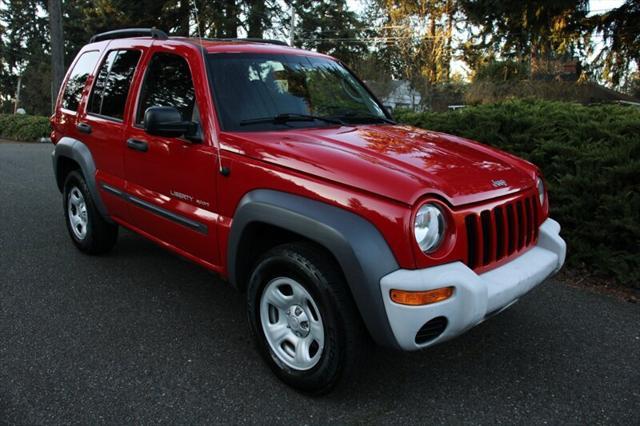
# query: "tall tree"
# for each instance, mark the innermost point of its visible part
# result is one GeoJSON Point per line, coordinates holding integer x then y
{"type": "Point", "coordinates": [57, 44]}
{"type": "Point", "coordinates": [518, 28]}
{"type": "Point", "coordinates": [258, 17]}
{"type": "Point", "coordinates": [26, 47]}
{"type": "Point", "coordinates": [218, 18]}
{"type": "Point", "coordinates": [232, 19]}
{"type": "Point", "coordinates": [181, 14]}
{"type": "Point", "coordinates": [5, 74]}
{"type": "Point", "coordinates": [420, 35]}
{"type": "Point", "coordinates": [329, 26]}
{"type": "Point", "coordinates": [620, 48]}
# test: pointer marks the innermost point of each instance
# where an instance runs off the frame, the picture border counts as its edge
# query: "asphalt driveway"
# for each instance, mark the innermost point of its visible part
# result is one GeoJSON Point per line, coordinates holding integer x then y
{"type": "Point", "coordinates": [141, 335]}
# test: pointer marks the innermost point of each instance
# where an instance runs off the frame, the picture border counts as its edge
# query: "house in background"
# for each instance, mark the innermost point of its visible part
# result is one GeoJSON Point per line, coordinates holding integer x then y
{"type": "Point", "coordinates": [396, 94]}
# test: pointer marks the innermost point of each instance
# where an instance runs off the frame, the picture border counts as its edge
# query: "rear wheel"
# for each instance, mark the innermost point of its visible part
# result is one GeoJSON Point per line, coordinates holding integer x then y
{"type": "Point", "coordinates": [303, 317]}
{"type": "Point", "coordinates": [87, 228]}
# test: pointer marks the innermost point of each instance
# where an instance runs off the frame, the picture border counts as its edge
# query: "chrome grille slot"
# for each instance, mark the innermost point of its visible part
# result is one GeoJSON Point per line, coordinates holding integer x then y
{"type": "Point", "coordinates": [501, 232]}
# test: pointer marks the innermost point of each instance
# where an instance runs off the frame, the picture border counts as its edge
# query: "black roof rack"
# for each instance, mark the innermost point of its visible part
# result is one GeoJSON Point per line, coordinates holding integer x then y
{"type": "Point", "coordinates": [251, 40]}
{"type": "Point", "coordinates": [130, 32]}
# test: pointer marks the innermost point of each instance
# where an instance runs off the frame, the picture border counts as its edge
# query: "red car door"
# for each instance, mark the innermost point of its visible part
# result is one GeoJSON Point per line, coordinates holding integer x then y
{"type": "Point", "coordinates": [102, 120]}
{"type": "Point", "coordinates": [171, 181]}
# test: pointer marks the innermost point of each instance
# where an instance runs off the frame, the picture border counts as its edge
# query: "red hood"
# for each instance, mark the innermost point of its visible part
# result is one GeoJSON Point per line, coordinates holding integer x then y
{"type": "Point", "coordinates": [399, 162]}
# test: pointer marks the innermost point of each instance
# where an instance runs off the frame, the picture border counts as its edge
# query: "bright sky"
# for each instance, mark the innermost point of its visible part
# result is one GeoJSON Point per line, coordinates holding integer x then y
{"type": "Point", "coordinates": [599, 6]}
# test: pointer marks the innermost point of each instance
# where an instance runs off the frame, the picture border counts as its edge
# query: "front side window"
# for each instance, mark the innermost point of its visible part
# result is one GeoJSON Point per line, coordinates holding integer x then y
{"type": "Point", "coordinates": [110, 91]}
{"type": "Point", "coordinates": [77, 79]}
{"type": "Point", "coordinates": [258, 92]}
{"type": "Point", "coordinates": [168, 83]}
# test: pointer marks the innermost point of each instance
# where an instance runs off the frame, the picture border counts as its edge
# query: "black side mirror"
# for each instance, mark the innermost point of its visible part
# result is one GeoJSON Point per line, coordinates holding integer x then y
{"type": "Point", "coordinates": [167, 121]}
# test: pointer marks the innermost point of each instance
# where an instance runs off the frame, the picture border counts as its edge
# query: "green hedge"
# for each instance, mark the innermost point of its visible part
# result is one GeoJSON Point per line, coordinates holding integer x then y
{"type": "Point", "coordinates": [590, 156]}
{"type": "Point", "coordinates": [24, 128]}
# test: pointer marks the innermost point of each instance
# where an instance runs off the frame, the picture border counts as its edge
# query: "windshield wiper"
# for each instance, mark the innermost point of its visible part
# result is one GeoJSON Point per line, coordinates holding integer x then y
{"type": "Point", "coordinates": [284, 118]}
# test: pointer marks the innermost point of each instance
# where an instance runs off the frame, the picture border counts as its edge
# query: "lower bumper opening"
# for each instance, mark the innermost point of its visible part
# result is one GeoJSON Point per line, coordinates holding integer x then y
{"type": "Point", "coordinates": [431, 330]}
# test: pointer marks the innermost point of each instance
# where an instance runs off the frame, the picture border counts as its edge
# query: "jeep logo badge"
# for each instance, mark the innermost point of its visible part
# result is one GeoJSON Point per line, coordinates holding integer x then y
{"type": "Point", "coordinates": [497, 183]}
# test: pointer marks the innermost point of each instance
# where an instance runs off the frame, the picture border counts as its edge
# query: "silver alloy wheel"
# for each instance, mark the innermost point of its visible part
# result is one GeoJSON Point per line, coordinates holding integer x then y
{"type": "Point", "coordinates": [291, 323]}
{"type": "Point", "coordinates": [77, 212]}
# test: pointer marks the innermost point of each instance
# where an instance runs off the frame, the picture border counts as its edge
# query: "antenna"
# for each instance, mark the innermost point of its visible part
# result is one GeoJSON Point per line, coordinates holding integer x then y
{"type": "Point", "coordinates": [224, 171]}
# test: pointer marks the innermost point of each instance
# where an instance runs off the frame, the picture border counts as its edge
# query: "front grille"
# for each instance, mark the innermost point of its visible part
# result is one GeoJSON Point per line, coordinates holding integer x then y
{"type": "Point", "coordinates": [501, 232]}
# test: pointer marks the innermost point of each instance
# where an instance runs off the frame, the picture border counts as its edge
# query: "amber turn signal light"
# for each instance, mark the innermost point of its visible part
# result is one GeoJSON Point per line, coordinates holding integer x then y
{"type": "Point", "coordinates": [417, 298]}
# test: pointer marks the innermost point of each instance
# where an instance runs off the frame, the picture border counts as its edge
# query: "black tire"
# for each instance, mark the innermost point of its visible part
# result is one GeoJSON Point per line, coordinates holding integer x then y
{"type": "Point", "coordinates": [344, 332]}
{"type": "Point", "coordinates": [99, 236]}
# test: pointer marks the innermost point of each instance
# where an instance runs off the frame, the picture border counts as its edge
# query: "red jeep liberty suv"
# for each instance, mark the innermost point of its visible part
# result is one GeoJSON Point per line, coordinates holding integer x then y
{"type": "Point", "coordinates": [279, 170]}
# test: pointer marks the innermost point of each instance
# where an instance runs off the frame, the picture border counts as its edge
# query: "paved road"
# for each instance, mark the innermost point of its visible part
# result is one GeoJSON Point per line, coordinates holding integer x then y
{"type": "Point", "coordinates": [141, 335]}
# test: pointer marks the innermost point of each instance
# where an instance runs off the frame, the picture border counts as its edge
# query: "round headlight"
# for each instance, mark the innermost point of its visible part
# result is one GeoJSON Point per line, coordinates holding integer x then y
{"type": "Point", "coordinates": [540, 186]}
{"type": "Point", "coordinates": [429, 227]}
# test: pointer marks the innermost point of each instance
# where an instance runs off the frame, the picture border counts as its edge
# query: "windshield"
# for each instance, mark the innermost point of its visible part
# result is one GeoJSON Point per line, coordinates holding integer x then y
{"type": "Point", "coordinates": [272, 92]}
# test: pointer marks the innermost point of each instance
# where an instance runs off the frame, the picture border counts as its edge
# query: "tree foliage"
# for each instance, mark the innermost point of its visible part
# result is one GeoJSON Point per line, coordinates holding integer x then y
{"type": "Point", "coordinates": [416, 40]}
{"type": "Point", "coordinates": [620, 29]}
{"type": "Point", "coordinates": [548, 29]}
{"type": "Point", "coordinates": [421, 35]}
{"type": "Point", "coordinates": [521, 28]}
{"type": "Point", "coordinates": [330, 27]}
{"type": "Point", "coordinates": [502, 71]}
{"type": "Point", "coordinates": [25, 45]}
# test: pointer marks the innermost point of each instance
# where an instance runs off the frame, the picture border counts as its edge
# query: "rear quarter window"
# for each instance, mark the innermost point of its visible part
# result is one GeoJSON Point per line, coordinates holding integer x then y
{"type": "Point", "coordinates": [111, 89]}
{"type": "Point", "coordinates": [77, 79]}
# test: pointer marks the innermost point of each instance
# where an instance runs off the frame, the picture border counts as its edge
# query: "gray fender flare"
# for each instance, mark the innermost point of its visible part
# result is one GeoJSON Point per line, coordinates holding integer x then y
{"type": "Point", "coordinates": [78, 152]}
{"type": "Point", "coordinates": [357, 245]}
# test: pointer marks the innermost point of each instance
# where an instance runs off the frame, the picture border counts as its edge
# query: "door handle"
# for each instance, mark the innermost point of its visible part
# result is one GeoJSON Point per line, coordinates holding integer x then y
{"type": "Point", "coordinates": [84, 128]}
{"type": "Point", "coordinates": [141, 146]}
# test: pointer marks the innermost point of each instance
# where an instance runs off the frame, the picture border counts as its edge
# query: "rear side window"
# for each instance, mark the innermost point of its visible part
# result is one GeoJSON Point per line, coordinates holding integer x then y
{"type": "Point", "coordinates": [110, 91]}
{"type": "Point", "coordinates": [77, 79]}
{"type": "Point", "coordinates": [168, 83]}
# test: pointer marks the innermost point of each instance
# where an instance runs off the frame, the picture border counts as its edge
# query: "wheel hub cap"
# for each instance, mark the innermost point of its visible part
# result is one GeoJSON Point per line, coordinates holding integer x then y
{"type": "Point", "coordinates": [77, 212]}
{"type": "Point", "coordinates": [298, 321]}
{"type": "Point", "coordinates": [292, 324]}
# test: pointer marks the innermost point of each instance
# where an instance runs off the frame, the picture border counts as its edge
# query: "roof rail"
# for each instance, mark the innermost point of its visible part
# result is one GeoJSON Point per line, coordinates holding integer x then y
{"type": "Point", "coordinates": [252, 40]}
{"type": "Point", "coordinates": [130, 32]}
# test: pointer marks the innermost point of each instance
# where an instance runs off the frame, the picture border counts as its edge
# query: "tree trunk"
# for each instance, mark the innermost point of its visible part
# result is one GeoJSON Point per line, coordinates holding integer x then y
{"type": "Point", "coordinates": [57, 43]}
{"type": "Point", "coordinates": [230, 24]}
{"type": "Point", "coordinates": [185, 15]}
{"type": "Point", "coordinates": [433, 57]}
{"type": "Point", "coordinates": [450, 14]}
{"type": "Point", "coordinates": [256, 18]}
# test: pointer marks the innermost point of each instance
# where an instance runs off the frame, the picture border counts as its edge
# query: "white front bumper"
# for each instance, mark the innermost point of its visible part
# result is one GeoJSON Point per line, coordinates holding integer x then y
{"type": "Point", "coordinates": [475, 296]}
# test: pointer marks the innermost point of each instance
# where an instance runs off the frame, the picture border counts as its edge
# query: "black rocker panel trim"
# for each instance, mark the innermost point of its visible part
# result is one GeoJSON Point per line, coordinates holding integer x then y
{"type": "Point", "coordinates": [192, 224]}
